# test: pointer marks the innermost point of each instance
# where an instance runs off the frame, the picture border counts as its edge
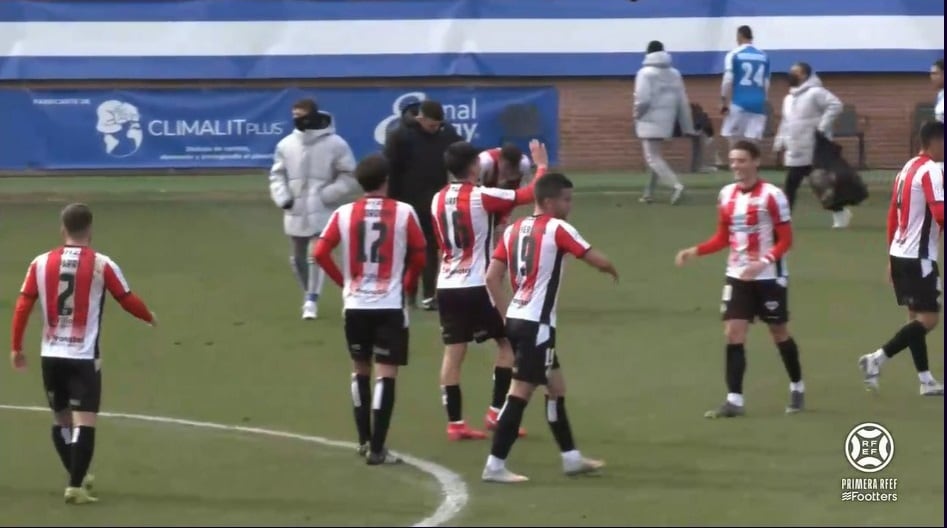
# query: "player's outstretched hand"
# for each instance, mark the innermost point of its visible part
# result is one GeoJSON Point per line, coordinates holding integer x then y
{"type": "Point", "coordinates": [684, 255]}
{"type": "Point", "coordinates": [154, 320]}
{"type": "Point", "coordinates": [17, 360]}
{"type": "Point", "coordinates": [537, 150]}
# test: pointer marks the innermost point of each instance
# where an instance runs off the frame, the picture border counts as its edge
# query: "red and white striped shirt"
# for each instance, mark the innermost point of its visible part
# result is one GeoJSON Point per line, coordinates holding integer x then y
{"type": "Point", "coordinates": [490, 165]}
{"type": "Point", "coordinates": [533, 249]}
{"type": "Point", "coordinates": [916, 213]}
{"type": "Point", "coordinates": [70, 283]}
{"type": "Point", "coordinates": [464, 228]}
{"type": "Point", "coordinates": [755, 224]}
{"type": "Point", "coordinates": [382, 252]}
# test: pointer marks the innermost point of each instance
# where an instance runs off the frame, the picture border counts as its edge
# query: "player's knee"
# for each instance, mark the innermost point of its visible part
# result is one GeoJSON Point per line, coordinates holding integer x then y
{"type": "Point", "coordinates": [735, 332]}
{"type": "Point", "coordinates": [521, 389]}
{"type": "Point", "coordinates": [63, 418]}
{"type": "Point", "coordinates": [556, 388]}
{"type": "Point", "coordinates": [386, 371]}
{"type": "Point", "coordinates": [504, 353]}
{"type": "Point", "coordinates": [83, 419]}
{"type": "Point", "coordinates": [362, 368]}
{"type": "Point", "coordinates": [779, 332]}
{"type": "Point", "coordinates": [929, 320]}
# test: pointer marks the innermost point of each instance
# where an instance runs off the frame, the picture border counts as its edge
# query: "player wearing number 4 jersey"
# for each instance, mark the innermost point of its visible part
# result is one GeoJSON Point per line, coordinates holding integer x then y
{"type": "Point", "coordinates": [915, 225]}
{"type": "Point", "coordinates": [744, 89]}
{"type": "Point", "coordinates": [463, 226]}
{"type": "Point", "coordinates": [533, 249]}
{"type": "Point", "coordinates": [754, 222]}
{"type": "Point", "coordinates": [383, 255]}
{"type": "Point", "coordinates": [70, 283]}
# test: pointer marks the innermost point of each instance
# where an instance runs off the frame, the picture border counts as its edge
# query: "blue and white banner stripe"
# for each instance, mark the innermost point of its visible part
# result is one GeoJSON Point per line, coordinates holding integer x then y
{"type": "Point", "coordinates": [365, 38]}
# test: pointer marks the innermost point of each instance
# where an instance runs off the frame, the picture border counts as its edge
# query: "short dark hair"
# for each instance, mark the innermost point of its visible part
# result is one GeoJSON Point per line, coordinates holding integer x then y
{"type": "Point", "coordinates": [76, 219]}
{"type": "Point", "coordinates": [939, 64]}
{"type": "Point", "coordinates": [931, 131]}
{"type": "Point", "coordinates": [655, 45]}
{"type": "Point", "coordinates": [551, 186]}
{"type": "Point", "coordinates": [805, 67]}
{"type": "Point", "coordinates": [308, 105]}
{"type": "Point", "coordinates": [511, 153]}
{"type": "Point", "coordinates": [432, 110]}
{"type": "Point", "coordinates": [745, 32]}
{"type": "Point", "coordinates": [372, 172]}
{"type": "Point", "coordinates": [747, 146]}
{"type": "Point", "coordinates": [459, 156]}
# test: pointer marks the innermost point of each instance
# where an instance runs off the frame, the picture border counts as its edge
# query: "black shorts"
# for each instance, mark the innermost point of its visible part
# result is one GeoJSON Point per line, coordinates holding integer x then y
{"type": "Point", "coordinates": [382, 334]}
{"type": "Point", "coordinates": [767, 299]}
{"type": "Point", "coordinates": [468, 314]}
{"type": "Point", "coordinates": [534, 350]}
{"type": "Point", "coordinates": [916, 284]}
{"type": "Point", "coordinates": [74, 384]}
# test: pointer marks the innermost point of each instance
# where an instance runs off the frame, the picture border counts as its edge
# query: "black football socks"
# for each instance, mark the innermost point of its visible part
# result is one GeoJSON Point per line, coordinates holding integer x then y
{"type": "Point", "coordinates": [735, 368]}
{"type": "Point", "coordinates": [452, 399]}
{"type": "Point", "coordinates": [559, 423]}
{"type": "Point", "coordinates": [83, 446]}
{"type": "Point", "coordinates": [361, 403]}
{"type": "Point", "coordinates": [62, 437]}
{"type": "Point", "coordinates": [508, 427]}
{"type": "Point", "coordinates": [912, 332]}
{"type": "Point", "coordinates": [384, 404]}
{"type": "Point", "coordinates": [502, 377]}
{"type": "Point", "coordinates": [789, 352]}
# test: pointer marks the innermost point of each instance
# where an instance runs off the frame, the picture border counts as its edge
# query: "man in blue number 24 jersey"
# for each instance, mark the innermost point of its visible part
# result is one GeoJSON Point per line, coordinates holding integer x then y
{"type": "Point", "coordinates": [744, 89]}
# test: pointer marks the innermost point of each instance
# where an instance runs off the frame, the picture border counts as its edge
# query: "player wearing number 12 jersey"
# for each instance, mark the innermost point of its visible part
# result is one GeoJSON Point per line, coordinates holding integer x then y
{"type": "Point", "coordinates": [915, 225]}
{"type": "Point", "coordinates": [744, 89]}
{"type": "Point", "coordinates": [463, 227]}
{"type": "Point", "coordinates": [533, 249]}
{"type": "Point", "coordinates": [70, 283]}
{"type": "Point", "coordinates": [383, 254]}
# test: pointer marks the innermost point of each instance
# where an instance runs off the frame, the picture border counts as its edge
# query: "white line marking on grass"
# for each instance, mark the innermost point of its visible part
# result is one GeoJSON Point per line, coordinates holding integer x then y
{"type": "Point", "coordinates": [454, 494]}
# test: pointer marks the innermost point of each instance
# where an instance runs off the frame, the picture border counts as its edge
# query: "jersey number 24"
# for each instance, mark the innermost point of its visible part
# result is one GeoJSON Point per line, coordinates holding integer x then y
{"type": "Point", "coordinates": [752, 74]}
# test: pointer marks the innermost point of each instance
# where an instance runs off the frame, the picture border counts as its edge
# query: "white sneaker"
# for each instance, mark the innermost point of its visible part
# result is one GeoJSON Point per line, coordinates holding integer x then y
{"type": "Point", "coordinates": [841, 219]}
{"type": "Point", "coordinates": [310, 310]}
{"type": "Point", "coordinates": [871, 370]}
{"type": "Point", "coordinates": [677, 194]}
{"type": "Point", "coordinates": [932, 388]}
{"type": "Point", "coordinates": [502, 475]}
{"type": "Point", "coordinates": [582, 466]}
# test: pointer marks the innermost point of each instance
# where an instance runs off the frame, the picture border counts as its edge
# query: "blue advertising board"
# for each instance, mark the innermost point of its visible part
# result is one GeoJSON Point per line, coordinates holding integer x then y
{"type": "Point", "coordinates": [260, 39]}
{"type": "Point", "coordinates": [138, 129]}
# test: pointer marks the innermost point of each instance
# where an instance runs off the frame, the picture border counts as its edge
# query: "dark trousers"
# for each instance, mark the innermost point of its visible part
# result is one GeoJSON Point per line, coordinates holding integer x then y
{"type": "Point", "coordinates": [794, 178]}
{"type": "Point", "coordinates": [432, 259]}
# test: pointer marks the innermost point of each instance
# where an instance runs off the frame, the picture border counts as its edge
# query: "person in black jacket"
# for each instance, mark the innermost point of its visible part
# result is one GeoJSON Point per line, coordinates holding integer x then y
{"type": "Point", "coordinates": [415, 151]}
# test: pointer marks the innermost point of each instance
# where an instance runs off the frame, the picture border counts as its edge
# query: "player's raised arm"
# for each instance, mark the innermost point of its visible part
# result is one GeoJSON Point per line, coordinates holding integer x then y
{"type": "Point", "coordinates": [29, 292]}
{"type": "Point", "coordinates": [118, 287]}
{"type": "Point", "coordinates": [322, 252]}
{"type": "Point", "coordinates": [417, 246]}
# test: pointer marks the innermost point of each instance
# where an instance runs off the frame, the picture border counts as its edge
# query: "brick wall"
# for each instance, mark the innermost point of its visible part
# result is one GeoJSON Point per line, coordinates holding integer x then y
{"type": "Point", "coordinates": [596, 128]}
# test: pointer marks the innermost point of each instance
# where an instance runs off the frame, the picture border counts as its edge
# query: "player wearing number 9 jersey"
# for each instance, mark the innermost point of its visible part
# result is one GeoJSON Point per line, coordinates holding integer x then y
{"type": "Point", "coordinates": [383, 254]}
{"type": "Point", "coordinates": [744, 89]}
{"type": "Point", "coordinates": [70, 283]}
{"type": "Point", "coordinates": [463, 226]}
{"type": "Point", "coordinates": [533, 249]}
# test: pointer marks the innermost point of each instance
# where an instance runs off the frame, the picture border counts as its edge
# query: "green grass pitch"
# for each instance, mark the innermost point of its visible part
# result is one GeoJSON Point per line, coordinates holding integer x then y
{"type": "Point", "coordinates": [643, 360]}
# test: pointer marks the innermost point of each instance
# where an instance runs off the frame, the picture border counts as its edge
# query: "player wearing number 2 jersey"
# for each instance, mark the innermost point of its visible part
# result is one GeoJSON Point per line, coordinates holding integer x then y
{"type": "Point", "coordinates": [463, 226]}
{"type": "Point", "coordinates": [746, 75]}
{"type": "Point", "coordinates": [383, 253]}
{"type": "Point", "coordinates": [70, 283]}
{"type": "Point", "coordinates": [915, 225]}
{"type": "Point", "coordinates": [533, 250]}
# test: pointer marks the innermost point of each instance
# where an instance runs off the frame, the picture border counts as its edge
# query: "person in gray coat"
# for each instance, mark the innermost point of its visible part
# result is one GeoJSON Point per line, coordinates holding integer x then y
{"type": "Point", "coordinates": [807, 108]}
{"type": "Point", "coordinates": [660, 102]}
{"type": "Point", "coordinates": [311, 177]}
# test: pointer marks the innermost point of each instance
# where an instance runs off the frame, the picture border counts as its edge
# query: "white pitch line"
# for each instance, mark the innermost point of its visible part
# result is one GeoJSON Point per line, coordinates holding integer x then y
{"type": "Point", "coordinates": [454, 494]}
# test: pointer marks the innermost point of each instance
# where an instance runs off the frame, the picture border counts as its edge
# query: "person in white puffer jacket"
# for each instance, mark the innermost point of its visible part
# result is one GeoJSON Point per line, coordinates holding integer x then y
{"type": "Point", "coordinates": [311, 176]}
{"type": "Point", "coordinates": [808, 108]}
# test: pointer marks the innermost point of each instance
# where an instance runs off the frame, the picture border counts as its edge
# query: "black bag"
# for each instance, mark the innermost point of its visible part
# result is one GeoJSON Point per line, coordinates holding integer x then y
{"type": "Point", "coordinates": [833, 180]}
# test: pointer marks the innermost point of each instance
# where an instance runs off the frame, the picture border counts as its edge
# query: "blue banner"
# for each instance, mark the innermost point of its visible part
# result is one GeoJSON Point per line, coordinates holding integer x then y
{"type": "Point", "coordinates": [260, 39]}
{"type": "Point", "coordinates": [228, 128]}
